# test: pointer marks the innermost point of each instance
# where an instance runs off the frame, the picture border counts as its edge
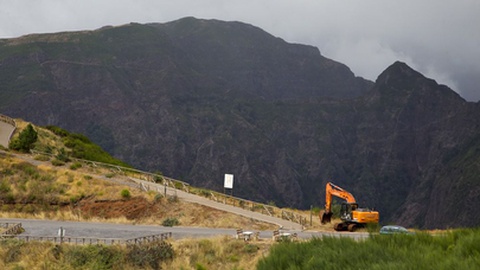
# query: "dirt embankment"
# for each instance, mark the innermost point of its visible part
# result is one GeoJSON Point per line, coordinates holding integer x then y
{"type": "Point", "coordinates": [140, 210]}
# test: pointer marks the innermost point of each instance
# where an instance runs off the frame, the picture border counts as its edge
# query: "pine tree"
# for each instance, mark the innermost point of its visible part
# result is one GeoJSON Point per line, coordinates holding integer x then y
{"type": "Point", "coordinates": [25, 140]}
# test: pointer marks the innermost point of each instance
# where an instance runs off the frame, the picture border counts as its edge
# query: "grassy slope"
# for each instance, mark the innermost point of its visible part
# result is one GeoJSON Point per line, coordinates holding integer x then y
{"type": "Point", "coordinates": [42, 190]}
{"type": "Point", "coordinates": [73, 190]}
{"type": "Point", "coordinates": [47, 191]}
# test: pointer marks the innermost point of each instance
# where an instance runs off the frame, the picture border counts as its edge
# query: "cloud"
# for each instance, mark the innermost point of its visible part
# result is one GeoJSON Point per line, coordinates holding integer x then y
{"type": "Point", "coordinates": [441, 39]}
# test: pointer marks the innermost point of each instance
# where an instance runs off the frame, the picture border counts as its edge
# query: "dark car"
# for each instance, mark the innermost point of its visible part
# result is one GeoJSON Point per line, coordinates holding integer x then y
{"type": "Point", "coordinates": [394, 229]}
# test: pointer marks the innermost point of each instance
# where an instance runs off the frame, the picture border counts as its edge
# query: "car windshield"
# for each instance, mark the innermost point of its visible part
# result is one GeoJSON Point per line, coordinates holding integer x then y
{"type": "Point", "coordinates": [394, 229]}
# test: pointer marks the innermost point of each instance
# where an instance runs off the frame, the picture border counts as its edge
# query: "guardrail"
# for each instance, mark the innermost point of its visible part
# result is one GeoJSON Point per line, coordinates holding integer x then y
{"type": "Point", "coordinates": [7, 120]}
{"type": "Point", "coordinates": [180, 185]}
{"type": "Point", "coordinates": [11, 229]}
{"type": "Point", "coordinates": [92, 240]}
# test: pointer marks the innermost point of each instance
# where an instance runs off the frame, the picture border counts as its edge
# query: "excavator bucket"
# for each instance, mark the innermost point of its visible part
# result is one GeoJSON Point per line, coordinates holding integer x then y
{"type": "Point", "coordinates": [325, 217]}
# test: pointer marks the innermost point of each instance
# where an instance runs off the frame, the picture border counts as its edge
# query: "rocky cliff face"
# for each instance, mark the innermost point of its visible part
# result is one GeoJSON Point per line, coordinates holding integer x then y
{"type": "Point", "coordinates": [196, 99]}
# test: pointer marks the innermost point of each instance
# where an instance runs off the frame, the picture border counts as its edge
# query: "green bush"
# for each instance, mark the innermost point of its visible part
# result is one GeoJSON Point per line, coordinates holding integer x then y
{"type": "Point", "coordinates": [75, 166]}
{"type": "Point", "coordinates": [158, 178]}
{"type": "Point", "coordinates": [14, 252]}
{"type": "Point", "coordinates": [56, 162]}
{"type": "Point", "coordinates": [25, 140]}
{"type": "Point", "coordinates": [125, 193]}
{"type": "Point", "coordinates": [150, 254]}
{"type": "Point", "coordinates": [62, 155]}
{"type": "Point", "coordinates": [250, 248]}
{"type": "Point", "coordinates": [170, 222]}
{"type": "Point", "coordinates": [94, 257]}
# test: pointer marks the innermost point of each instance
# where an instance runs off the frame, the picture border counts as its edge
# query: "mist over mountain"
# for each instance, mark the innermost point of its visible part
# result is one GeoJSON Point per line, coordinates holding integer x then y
{"type": "Point", "coordinates": [196, 99]}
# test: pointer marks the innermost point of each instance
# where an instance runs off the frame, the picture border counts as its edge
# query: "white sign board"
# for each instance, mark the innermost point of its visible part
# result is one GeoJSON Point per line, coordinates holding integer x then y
{"type": "Point", "coordinates": [228, 181]}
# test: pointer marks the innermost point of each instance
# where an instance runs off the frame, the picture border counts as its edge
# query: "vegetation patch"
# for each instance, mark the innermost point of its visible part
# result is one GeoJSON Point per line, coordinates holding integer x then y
{"type": "Point", "coordinates": [15, 254]}
{"type": "Point", "coordinates": [25, 140]}
{"type": "Point", "coordinates": [82, 148]}
{"type": "Point", "coordinates": [170, 222]}
{"type": "Point", "coordinates": [454, 250]}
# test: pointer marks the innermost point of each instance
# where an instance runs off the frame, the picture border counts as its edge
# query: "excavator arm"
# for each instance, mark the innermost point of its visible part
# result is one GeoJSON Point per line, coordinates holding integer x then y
{"type": "Point", "coordinates": [330, 191]}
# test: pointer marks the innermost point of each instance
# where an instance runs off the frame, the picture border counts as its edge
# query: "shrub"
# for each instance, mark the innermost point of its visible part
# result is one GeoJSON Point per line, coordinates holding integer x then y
{"type": "Point", "coordinates": [158, 178]}
{"type": "Point", "coordinates": [172, 199]}
{"type": "Point", "coordinates": [170, 222]}
{"type": "Point", "coordinates": [56, 162]}
{"type": "Point", "coordinates": [158, 197]}
{"type": "Point", "coordinates": [62, 155]}
{"type": "Point", "coordinates": [25, 140]}
{"type": "Point", "coordinates": [4, 186]}
{"type": "Point", "coordinates": [150, 254]}
{"type": "Point", "coordinates": [14, 252]}
{"type": "Point", "coordinates": [94, 257]}
{"type": "Point", "coordinates": [125, 193]}
{"type": "Point", "coordinates": [58, 131]}
{"type": "Point", "coordinates": [42, 158]}
{"type": "Point", "coordinates": [75, 166]}
{"type": "Point", "coordinates": [250, 248]}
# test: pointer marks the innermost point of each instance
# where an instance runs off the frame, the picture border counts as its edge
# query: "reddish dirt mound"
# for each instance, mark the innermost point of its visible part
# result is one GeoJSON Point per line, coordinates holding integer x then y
{"type": "Point", "coordinates": [133, 208]}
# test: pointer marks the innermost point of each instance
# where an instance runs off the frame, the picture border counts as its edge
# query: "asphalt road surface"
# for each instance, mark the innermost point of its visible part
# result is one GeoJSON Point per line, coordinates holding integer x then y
{"type": "Point", "coordinates": [34, 227]}
{"type": "Point", "coordinates": [5, 133]}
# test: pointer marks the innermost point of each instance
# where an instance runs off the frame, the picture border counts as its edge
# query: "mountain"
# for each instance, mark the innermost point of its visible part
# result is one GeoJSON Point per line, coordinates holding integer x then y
{"type": "Point", "coordinates": [196, 99]}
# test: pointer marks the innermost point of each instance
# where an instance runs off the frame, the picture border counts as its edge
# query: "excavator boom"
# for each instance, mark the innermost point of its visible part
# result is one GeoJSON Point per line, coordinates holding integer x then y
{"type": "Point", "coordinates": [330, 191]}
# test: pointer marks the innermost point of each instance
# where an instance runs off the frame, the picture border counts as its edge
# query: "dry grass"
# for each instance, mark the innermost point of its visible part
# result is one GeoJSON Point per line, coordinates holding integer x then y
{"type": "Point", "coordinates": [14, 255]}
{"type": "Point", "coordinates": [91, 184]}
{"type": "Point", "coordinates": [220, 253]}
{"type": "Point", "coordinates": [79, 190]}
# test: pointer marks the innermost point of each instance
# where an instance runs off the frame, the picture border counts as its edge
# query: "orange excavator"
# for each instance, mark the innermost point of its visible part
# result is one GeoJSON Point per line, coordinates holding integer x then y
{"type": "Point", "coordinates": [351, 215]}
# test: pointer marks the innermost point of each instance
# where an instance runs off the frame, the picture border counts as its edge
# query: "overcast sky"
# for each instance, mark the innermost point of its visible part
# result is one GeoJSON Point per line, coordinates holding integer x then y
{"type": "Point", "coordinates": [439, 38]}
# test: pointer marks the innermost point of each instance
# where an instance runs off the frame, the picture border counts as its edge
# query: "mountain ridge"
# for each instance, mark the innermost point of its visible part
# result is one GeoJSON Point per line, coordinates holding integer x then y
{"type": "Point", "coordinates": [196, 99]}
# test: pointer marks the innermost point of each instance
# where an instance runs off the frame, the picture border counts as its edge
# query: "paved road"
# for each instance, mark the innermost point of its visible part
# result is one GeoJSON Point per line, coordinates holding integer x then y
{"type": "Point", "coordinates": [5, 133]}
{"type": "Point", "coordinates": [124, 231]}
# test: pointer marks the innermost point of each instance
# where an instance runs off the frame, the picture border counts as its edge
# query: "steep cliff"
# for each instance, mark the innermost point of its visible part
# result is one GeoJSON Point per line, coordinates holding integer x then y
{"type": "Point", "coordinates": [196, 99]}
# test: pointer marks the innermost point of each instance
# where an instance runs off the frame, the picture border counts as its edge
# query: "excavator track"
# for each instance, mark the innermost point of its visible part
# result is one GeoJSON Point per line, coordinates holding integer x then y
{"type": "Point", "coordinates": [339, 227]}
{"type": "Point", "coordinates": [352, 227]}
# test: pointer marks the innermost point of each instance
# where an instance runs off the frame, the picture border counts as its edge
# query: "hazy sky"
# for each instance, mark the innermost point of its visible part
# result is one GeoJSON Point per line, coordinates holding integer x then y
{"type": "Point", "coordinates": [439, 38]}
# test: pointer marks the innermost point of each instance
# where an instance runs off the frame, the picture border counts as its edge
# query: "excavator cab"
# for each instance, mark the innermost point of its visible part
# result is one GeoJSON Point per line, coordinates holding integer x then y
{"type": "Point", "coordinates": [346, 211]}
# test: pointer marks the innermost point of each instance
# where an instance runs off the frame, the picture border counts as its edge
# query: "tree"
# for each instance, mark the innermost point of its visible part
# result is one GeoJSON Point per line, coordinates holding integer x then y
{"type": "Point", "coordinates": [25, 140]}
